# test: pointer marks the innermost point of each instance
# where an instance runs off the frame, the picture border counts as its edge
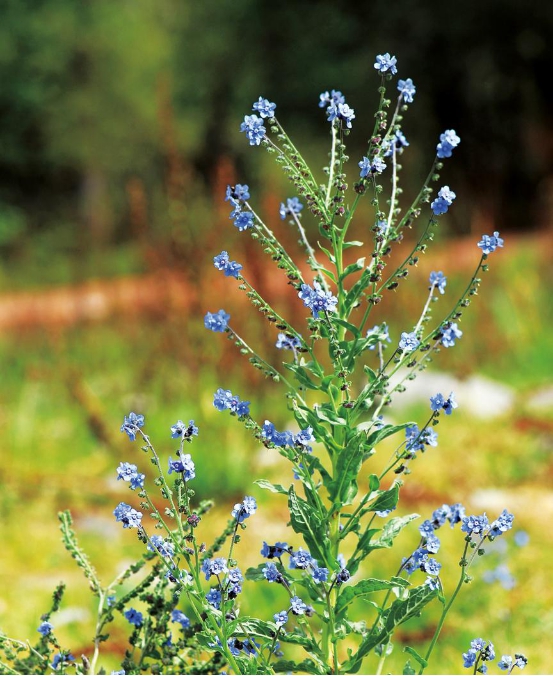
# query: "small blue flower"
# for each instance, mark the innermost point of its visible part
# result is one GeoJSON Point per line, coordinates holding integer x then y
{"type": "Point", "coordinates": [320, 574]}
{"type": "Point", "coordinates": [382, 333]}
{"type": "Point", "coordinates": [415, 561]}
{"type": "Point", "coordinates": [281, 618]}
{"type": "Point", "coordinates": [272, 573]}
{"type": "Point", "coordinates": [489, 243]}
{"type": "Point", "coordinates": [223, 263]}
{"type": "Point", "coordinates": [45, 628]}
{"type": "Point", "coordinates": [398, 141]}
{"type": "Point", "coordinates": [217, 322]}
{"type": "Point", "coordinates": [264, 107]}
{"type": "Point", "coordinates": [429, 437]}
{"type": "Point", "coordinates": [129, 517]}
{"type": "Point", "coordinates": [503, 523]}
{"type": "Point", "coordinates": [131, 424]}
{"type": "Point", "coordinates": [301, 559]}
{"type": "Point", "coordinates": [376, 166]}
{"type": "Point", "coordinates": [297, 606]}
{"type": "Point", "coordinates": [110, 600]}
{"type": "Point", "coordinates": [243, 220]}
{"type": "Point", "coordinates": [444, 200]}
{"type": "Point", "coordinates": [440, 516]}
{"type": "Point", "coordinates": [385, 63]}
{"type": "Point", "coordinates": [292, 206]}
{"type": "Point", "coordinates": [343, 576]}
{"type": "Point", "coordinates": [183, 431]}
{"type": "Point", "coordinates": [342, 112]}
{"type": "Point", "coordinates": [287, 342]}
{"type": "Point", "coordinates": [184, 465]}
{"type": "Point", "coordinates": [244, 509]}
{"type": "Point", "coordinates": [469, 658]}
{"type": "Point", "coordinates": [475, 525]}
{"type": "Point", "coordinates": [180, 617]}
{"type": "Point", "coordinates": [456, 513]}
{"type": "Point", "coordinates": [237, 194]}
{"type": "Point", "coordinates": [235, 576]}
{"type": "Point", "coordinates": [432, 544]}
{"type": "Point", "coordinates": [254, 129]}
{"type": "Point", "coordinates": [129, 472]}
{"type": "Point", "coordinates": [62, 658]}
{"type": "Point", "coordinates": [438, 280]}
{"type": "Point", "coordinates": [409, 341]}
{"type": "Point", "coordinates": [303, 438]}
{"type": "Point", "coordinates": [274, 551]}
{"type": "Point", "coordinates": [432, 583]}
{"type": "Point", "coordinates": [448, 141]}
{"type": "Point", "coordinates": [407, 89]}
{"type": "Point", "coordinates": [214, 598]}
{"type": "Point", "coordinates": [431, 566]}
{"type": "Point", "coordinates": [334, 97]}
{"type": "Point", "coordinates": [317, 299]}
{"type": "Point", "coordinates": [439, 402]}
{"type": "Point", "coordinates": [134, 617]}
{"type": "Point", "coordinates": [157, 543]}
{"type": "Point", "coordinates": [426, 529]}
{"type": "Point", "coordinates": [450, 334]}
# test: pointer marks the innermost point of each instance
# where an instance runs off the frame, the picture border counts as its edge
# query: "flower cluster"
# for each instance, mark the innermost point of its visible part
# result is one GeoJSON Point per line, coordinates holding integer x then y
{"type": "Point", "coordinates": [183, 465]}
{"type": "Point", "coordinates": [489, 243]}
{"type": "Point", "coordinates": [482, 528]}
{"type": "Point", "coordinates": [407, 89]}
{"type": "Point", "coordinates": [506, 663]}
{"type": "Point", "coordinates": [409, 341]}
{"type": "Point", "coordinates": [449, 334]}
{"type": "Point", "coordinates": [129, 472]}
{"type": "Point", "coordinates": [438, 402]}
{"type": "Point", "coordinates": [317, 299]}
{"type": "Point", "coordinates": [386, 64]}
{"type": "Point", "coordinates": [164, 547]}
{"type": "Point", "coordinates": [288, 342]}
{"type": "Point", "coordinates": [448, 141]}
{"type": "Point", "coordinates": [479, 651]}
{"type": "Point", "coordinates": [398, 142]}
{"type": "Point", "coordinates": [131, 425]}
{"type": "Point", "coordinates": [444, 200]}
{"type": "Point", "coordinates": [217, 321]}
{"type": "Point", "coordinates": [129, 517]}
{"type": "Point", "coordinates": [438, 281]}
{"type": "Point", "coordinates": [182, 431]}
{"type": "Point", "coordinates": [292, 206]}
{"type": "Point", "coordinates": [254, 129]}
{"type": "Point", "coordinates": [374, 166]}
{"type": "Point", "coordinates": [230, 268]}
{"type": "Point", "coordinates": [416, 440]}
{"type": "Point", "coordinates": [300, 441]}
{"type": "Point", "coordinates": [245, 509]}
{"type": "Point", "coordinates": [238, 195]}
{"type": "Point", "coordinates": [224, 400]}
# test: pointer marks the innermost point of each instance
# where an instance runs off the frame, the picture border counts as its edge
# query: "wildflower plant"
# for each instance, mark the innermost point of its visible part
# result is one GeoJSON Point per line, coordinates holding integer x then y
{"type": "Point", "coordinates": [184, 613]}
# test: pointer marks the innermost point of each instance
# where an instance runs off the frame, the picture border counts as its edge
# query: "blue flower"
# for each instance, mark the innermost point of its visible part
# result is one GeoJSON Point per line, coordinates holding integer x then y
{"type": "Point", "coordinates": [287, 342]}
{"type": "Point", "coordinates": [448, 141]}
{"type": "Point", "coordinates": [301, 559]}
{"type": "Point", "coordinates": [450, 334]}
{"type": "Point", "coordinates": [180, 429]}
{"type": "Point", "coordinates": [429, 437]}
{"type": "Point", "coordinates": [292, 206]}
{"type": "Point", "coordinates": [415, 561]}
{"type": "Point", "coordinates": [335, 97]}
{"type": "Point", "coordinates": [426, 529]}
{"type": "Point", "coordinates": [157, 543]}
{"type": "Point", "coordinates": [271, 573]}
{"type": "Point", "coordinates": [215, 567]}
{"type": "Point", "coordinates": [440, 516]}
{"type": "Point", "coordinates": [489, 243]}
{"type": "Point", "coordinates": [264, 107]}
{"type": "Point", "coordinates": [237, 194]}
{"type": "Point", "coordinates": [243, 220]}
{"type": "Point", "coordinates": [134, 617]}
{"type": "Point", "coordinates": [407, 89]}
{"type": "Point", "coordinates": [129, 517]}
{"type": "Point", "coordinates": [503, 523]}
{"type": "Point", "coordinates": [432, 544]}
{"type": "Point", "coordinates": [506, 662]}
{"type": "Point", "coordinates": [223, 263]}
{"type": "Point", "coordinates": [45, 628]}
{"type": "Point", "coordinates": [235, 576]}
{"type": "Point", "coordinates": [409, 341]}
{"type": "Point", "coordinates": [184, 465]}
{"type": "Point", "coordinates": [475, 525]}
{"type": "Point", "coordinates": [431, 566]}
{"type": "Point", "coordinates": [399, 141]}
{"type": "Point", "coordinates": [444, 200]}
{"type": "Point", "coordinates": [438, 280]}
{"type": "Point", "coordinates": [297, 606]}
{"type": "Point", "coordinates": [432, 583]}
{"type": "Point", "coordinates": [469, 658]}
{"type": "Point", "coordinates": [521, 538]}
{"type": "Point", "coordinates": [274, 551]}
{"type": "Point", "coordinates": [131, 424]}
{"type": "Point", "coordinates": [342, 112]}
{"type": "Point", "coordinates": [456, 513]}
{"type": "Point", "coordinates": [180, 617]}
{"type": "Point", "coordinates": [244, 509]}
{"type": "Point", "coordinates": [254, 129]}
{"type": "Point", "coordinates": [439, 402]}
{"type": "Point", "coordinates": [385, 63]}
{"type": "Point", "coordinates": [214, 598]}
{"type": "Point", "coordinates": [129, 472]}
{"type": "Point", "coordinates": [376, 166]}
{"type": "Point", "coordinates": [303, 438]}
{"type": "Point", "coordinates": [281, 618]}
{"type": "Point", "coordinates": [320, 574]}
{"type": "Point", "coordinates": [343, 576]}
{"type": "Point", "coordinates": [62, 657]}
{"type": "Point", "coordinates": [317, 299]}
{"type": "Point", "coordinates": [217, 322]}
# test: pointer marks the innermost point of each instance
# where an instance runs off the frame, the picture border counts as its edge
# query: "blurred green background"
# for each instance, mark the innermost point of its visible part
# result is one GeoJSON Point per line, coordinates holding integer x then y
{"type": "Point", "coordinates": [118, 135]}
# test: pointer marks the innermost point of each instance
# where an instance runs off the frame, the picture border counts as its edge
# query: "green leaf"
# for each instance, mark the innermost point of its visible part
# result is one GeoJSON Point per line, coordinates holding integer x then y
{"type": "Point", "coordinates": [274, 488]}
{"type": "Point", "coordinates": [399, 612]}
{"type": "Point", "coordinates": [348, 245]}
{"type": "Point", "coordinates": [325, 412]}
{"type": "Point", "coordinates": [306, 667]}
{"type": "Point", "coordinates": [256, 574]}
{"type": "Point", "coordinates": [252, 626]}
{"type": "Point", "coordinates": [386, 500]}
{"type": "Point", "coordinates": [391, 530]}
{"type": "Point", "coordinates": [353, 267]}
{"type": "Point", "coordinates": [386, 431]}
{"type": "Point", "coordinates": [374, 483]}
{"type": "Point", "coordinates": [350, 327]}
{"type": "Point", "coordinates": [308, 522]}
{"type": "Point", "coordinates": [363, 588]}
{"type": "Point", "coordinates": [419, 658]}
{"type": "Point", "coordinates": [408, 669]}
{"type": "Point", "coordinates": [344, 488]}
{"type": "Point", "coordinates": [328, 254]}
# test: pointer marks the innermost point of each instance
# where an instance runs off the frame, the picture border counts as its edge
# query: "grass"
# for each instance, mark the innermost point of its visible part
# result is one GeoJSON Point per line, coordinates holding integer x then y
{"type": "Point", "coordinates": [65, 392]}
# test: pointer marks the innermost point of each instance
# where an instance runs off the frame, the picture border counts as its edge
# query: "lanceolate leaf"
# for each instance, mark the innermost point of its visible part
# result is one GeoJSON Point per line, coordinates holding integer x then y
{"type": "Point", "coordinates": [306, 520]}
{"type": "Point", "coordinates": [344, 488]}
{"type": "Point", "coordinates": [363, 588]}
{"type": "Point", "coordinates": [391, 530]}
{"type": "Point", "coordinates": [274, 488]}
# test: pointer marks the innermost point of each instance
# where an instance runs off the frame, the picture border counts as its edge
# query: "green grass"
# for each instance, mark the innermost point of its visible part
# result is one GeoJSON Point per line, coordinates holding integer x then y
{"type": "Point", "coordinates": [64, 395]}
